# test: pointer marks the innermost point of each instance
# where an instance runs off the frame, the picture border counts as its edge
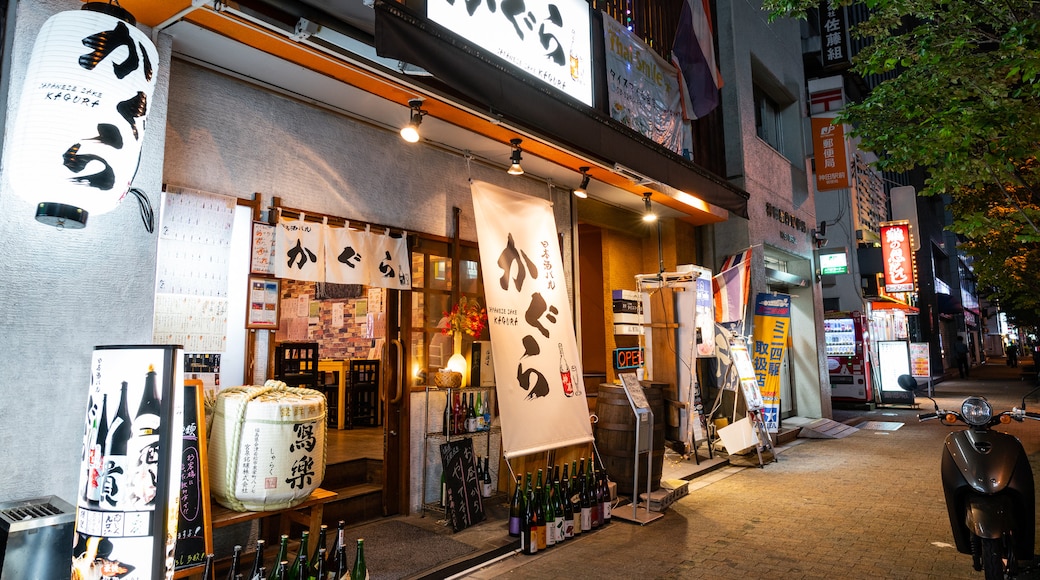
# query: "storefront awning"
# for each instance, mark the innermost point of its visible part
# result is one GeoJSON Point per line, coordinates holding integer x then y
{"type": "Point", "coordinates": [483, 79]}
{"type": "Point", "coordinates": [886, 305]}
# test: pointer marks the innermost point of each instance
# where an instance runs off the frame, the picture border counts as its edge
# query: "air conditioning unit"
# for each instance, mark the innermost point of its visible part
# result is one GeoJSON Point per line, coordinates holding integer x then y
{"type": "Point", "coordinates": [36, 539]}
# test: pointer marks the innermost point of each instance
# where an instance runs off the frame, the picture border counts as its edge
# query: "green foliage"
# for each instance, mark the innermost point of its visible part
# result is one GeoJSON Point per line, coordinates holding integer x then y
{"type": "Point", "coordinates": [965, 106]}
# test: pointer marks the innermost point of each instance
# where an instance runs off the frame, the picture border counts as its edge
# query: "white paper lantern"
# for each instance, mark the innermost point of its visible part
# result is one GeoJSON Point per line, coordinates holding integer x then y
{"type": "Point", "coordinates": [80, 123]}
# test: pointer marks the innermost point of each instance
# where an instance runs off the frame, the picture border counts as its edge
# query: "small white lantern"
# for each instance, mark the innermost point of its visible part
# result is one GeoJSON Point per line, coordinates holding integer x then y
{"type": "Point", "coordinates": [80, 123]}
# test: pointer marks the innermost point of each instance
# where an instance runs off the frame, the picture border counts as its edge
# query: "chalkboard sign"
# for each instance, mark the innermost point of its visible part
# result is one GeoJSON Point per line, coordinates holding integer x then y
{"type": "Point", "coordinates": [194, 536]}
{"type": "Point", "coordinates": [464, 504]}
{"type": "Point", "coordinates": [635, 390]}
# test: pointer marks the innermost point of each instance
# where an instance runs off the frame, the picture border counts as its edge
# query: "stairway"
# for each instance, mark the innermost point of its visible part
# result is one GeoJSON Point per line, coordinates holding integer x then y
{"type": "Point", "coordinates": [358, 487]}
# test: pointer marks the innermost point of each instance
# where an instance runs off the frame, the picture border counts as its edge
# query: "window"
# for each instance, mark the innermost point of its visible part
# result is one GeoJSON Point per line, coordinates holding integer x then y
{"type": "Point", "coordinates": [768, 120]}
{"type": "Point", "coordinates": [432, 284]}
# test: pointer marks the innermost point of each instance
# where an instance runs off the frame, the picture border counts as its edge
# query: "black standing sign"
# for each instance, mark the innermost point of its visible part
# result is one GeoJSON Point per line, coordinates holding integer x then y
{"type": "Point", "coordinates": [464, 504]}
{"type": "Point", "coordinates": [193, 529]}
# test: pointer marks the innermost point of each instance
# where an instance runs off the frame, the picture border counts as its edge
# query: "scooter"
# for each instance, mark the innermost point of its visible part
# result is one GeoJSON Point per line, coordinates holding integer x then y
{"type": "Point", "coordinates": [988, 485]}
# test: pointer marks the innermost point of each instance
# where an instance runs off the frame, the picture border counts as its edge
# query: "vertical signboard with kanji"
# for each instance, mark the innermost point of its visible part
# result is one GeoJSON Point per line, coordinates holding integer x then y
{"type": "Point", "coordinates": [834, 37]}
{"type": "Point", "coordinates": [130, 473]}
{"type": "Point", "coordinates": [832, 166]}
{"type": "Point", "coordinates": [897, 256]}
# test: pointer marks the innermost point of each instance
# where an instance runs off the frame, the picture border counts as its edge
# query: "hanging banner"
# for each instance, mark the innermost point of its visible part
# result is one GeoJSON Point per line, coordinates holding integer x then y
{"type": "Point", "coordinates": [299, 250]}
{"type": "Point", "coordinates": [349, 257]}
{"type": "Point", "coordinates": [772, 321]}
{"type": "Point", "coordinates": [130, 471]}
{"type": "Point", "coordinates": [392, 264]}
{"type": "Point", "coordinates": [642, 88]}
{"type": "Point", "coordinates": [535, 352]}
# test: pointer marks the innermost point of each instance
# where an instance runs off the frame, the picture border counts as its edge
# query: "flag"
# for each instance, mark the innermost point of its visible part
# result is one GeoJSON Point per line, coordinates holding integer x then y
{"type": "Point", "coordinates": [731, 287]}
{"type": "Point", "coordinates": [693, 54]}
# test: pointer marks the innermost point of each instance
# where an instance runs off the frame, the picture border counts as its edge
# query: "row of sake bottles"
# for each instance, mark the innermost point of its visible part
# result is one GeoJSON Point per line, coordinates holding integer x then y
{"type": "Point", "coordinates": [321, 564]}
{"type": "Point", "coordinates": [560, 508]}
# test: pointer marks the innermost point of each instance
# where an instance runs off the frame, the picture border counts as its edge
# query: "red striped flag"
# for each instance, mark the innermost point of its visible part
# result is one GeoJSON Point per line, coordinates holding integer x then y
{"type": "Point", "coordinates": [731, 286]}
{"type": "Point", "coordinates": [693, 54]}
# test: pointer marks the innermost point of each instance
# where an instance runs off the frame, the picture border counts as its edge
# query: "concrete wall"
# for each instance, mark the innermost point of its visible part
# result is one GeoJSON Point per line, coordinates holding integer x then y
{"type": "Point", "coordinates": [66, 291]}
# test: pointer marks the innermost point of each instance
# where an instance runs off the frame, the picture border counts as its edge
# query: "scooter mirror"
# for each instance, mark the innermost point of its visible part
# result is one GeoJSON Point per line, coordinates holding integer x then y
{"type": "Point", "coordinates": [907, 383]}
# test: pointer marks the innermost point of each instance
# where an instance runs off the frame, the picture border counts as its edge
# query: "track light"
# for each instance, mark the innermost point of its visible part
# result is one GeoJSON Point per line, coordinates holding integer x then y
{"type": "Point", "coordinates": [410, 132]}
{"type": "Point", "coordinates": [581, 191]}
{"type": "Point", "coordinates": [514, 167]}
{"type": "Point", "coordinates": [649, 216]}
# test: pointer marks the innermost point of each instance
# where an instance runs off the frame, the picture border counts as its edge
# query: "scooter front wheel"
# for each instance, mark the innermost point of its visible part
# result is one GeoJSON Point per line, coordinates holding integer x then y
{"type": "Point", "coordinates": [993, 563]}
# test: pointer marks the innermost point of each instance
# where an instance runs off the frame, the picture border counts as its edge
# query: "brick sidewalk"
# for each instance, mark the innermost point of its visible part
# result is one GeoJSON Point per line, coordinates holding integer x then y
{"type": "Point", "coordinates": [866, 506]}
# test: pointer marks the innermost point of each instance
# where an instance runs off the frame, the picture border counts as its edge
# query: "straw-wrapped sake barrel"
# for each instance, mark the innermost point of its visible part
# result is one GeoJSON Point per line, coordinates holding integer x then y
{"type": "Point", "coordinates": [267, 447]}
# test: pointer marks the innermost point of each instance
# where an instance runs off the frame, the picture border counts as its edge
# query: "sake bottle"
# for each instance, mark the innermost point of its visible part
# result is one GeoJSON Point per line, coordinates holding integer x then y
{"type": "Point", "coordinates": [539, 514]}
{"type": "Point", "coordinates": [514, 510]}
{"type": "Point", "coordinates": [360, 571]}
{"type": "Point", "coordinates": [529, 527]}
{"type": "Point", "coordinates": [550, 517]}
{"type": "Point", "coordinates": [115, 480]}
{"type": "Point", "coordinates": [321, 544]}
{"type": "Point", "coordinates": [333, 557]}
{"type": "Point", "coordinates": [283, 555]}
{"type": "Point", "coordinates": [207, 568]}
{"type": "Point", "coordinates": [300, 569]}
{"type": "Point", "coordinates": [235, 556]}
{"type": "Point", "coordinates": [96, 455]}
{"type": "Point", "coordinates": [258, 561]}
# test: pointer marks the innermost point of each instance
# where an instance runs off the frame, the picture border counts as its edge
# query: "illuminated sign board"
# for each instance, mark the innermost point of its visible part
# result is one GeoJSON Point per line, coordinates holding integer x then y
{"type": "Point", "coordinates": [628, 358]}
{"type": "Point", "coordinates": [834, 261]}
{"type": "Point", "coordinates": [898, 257]}
{"type": "Point", "coordinates": [548, 39]}
{"type": "Point", "coordinates": [832, 165]}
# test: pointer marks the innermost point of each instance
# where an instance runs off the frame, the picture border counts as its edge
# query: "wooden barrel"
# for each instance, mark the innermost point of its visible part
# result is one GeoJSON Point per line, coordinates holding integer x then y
{"type": "Point", "coordinates": [616, 438]}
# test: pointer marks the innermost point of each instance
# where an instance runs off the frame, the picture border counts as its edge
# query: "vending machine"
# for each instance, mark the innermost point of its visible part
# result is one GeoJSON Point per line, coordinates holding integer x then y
{"type": "Point", "coordinates": [847, 339]}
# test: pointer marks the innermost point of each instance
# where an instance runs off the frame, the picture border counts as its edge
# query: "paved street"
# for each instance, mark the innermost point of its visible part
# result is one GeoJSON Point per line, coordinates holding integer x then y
{"type": "Point", "coordinates": [869, 505]}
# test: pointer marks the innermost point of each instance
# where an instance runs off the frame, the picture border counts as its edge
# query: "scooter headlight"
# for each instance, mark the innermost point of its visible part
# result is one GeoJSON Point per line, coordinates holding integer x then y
{"type": "Point", "coordinates": [976, 411]}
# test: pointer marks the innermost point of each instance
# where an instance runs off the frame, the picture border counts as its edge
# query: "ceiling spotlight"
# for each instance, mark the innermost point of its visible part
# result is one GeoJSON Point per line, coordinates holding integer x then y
{"type": "Point", "coordinates": [649, 216]}
{"type": "Point", "coordinates": [581, 191]}
{"type": "Point", "coordinates": [514, 167]}
{"type": "Point", "coordinates": [410, 132]}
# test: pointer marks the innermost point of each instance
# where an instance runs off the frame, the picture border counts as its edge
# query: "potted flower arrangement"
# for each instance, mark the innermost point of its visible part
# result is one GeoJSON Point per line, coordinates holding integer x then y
{"type": "Point", "coordinates": [465, 317]}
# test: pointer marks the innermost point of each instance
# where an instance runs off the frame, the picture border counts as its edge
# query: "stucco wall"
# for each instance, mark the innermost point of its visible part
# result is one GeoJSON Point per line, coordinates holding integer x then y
{"type": "Point", "coordinates": [66, 291]}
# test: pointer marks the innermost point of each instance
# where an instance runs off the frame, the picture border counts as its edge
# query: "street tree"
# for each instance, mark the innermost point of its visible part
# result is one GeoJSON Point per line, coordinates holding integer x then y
{"type": "Point", "coordinates": [964, 105]}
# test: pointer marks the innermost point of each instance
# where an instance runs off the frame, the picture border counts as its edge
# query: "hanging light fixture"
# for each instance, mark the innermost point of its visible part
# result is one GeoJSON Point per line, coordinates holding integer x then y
{"type": "Point", "coordinates": [581, 191]}
{"type": "Point", "coordinates": [410, 132]}
{"type": "Point", "coordinates": [514, 167]}
{"type": "Point", "coordinates": [82, 115]}
{"type": "Point", "coordinates": [648, 216]}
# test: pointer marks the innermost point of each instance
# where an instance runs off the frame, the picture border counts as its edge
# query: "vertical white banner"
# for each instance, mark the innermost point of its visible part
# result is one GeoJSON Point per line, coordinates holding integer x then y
{"type": "Point", "coordinates": [537, 370]}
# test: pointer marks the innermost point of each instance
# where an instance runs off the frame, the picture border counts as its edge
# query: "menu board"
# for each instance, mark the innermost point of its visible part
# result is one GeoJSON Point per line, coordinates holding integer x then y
{"type": "Point", "coordinates": [464, 506]}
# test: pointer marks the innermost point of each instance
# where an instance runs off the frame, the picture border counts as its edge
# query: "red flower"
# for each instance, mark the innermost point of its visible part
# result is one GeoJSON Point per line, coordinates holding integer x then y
{"type": "Point", "coordinates": [467, 316]}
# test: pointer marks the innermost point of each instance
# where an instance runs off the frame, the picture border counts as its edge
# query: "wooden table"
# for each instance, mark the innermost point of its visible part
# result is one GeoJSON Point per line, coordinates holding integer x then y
{"type": "Point", "coordinates": [309, 513]}
{"type": "Point", "coordinates": [343, 368]}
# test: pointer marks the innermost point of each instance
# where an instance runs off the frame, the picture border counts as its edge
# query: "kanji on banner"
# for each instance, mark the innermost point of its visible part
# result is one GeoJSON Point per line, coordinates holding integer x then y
{"type": "Point", "coordinates": [349, 257]}
{"type": "Point", "coordinates": [391, 262]}
{"type": "Point", "coordinates": [772, 322]}
{"type": "Point", "coordinates": [299, 250]}
{"type": "Point", "coordinates": [537, 369]}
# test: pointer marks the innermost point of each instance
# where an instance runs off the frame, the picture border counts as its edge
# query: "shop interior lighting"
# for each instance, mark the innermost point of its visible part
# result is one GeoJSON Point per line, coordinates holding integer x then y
{"type": "Point", "coordinates": [649, 216]}
{"type": "Point", "coordinates": [581, 191]}
{"type": "Point", "coordinates": [514, 167]}
{"type": "Point", "coordinates": [410, 132]}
